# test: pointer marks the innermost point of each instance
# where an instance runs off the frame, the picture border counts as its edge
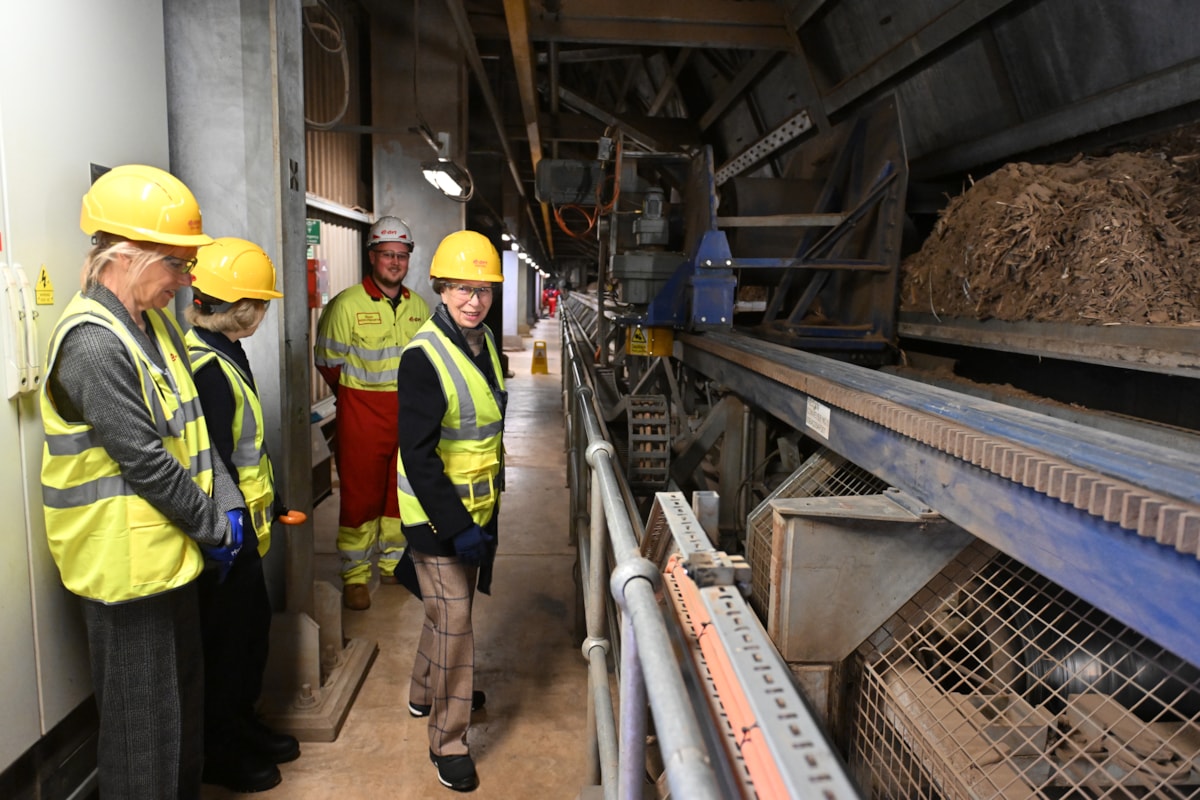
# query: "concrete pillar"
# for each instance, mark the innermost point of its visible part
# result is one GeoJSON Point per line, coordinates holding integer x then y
{"type": "Point", "coordinates": [235, 113]}
{"type": "Point", "coordinates": [512, 291]}
{"type": "Point", "coordinates": [236, 120]}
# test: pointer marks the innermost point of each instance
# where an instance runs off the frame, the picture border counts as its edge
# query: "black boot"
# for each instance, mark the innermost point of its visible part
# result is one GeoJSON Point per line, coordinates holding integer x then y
{"type": "Point", "coordinates": [257, 738]}
{"type": "Point", "coordinates": [240, 772]}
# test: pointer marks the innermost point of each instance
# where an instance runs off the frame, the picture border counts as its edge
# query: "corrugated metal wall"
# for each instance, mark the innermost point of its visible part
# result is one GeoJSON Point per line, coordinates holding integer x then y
{"type": "Point", "coordinates": [341, 249]}
{"type": "Point", "coordinates": [339, 163]}
{"type": "Point", "coordinates": [334, 84]}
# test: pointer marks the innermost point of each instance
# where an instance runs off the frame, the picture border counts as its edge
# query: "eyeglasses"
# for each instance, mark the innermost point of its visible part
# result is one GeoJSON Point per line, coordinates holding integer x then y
{"type": "Point", "coordinates": [183, 266]}
{"type": "Point", "coordinates": [463, 292]}
{"type": "Point", "coordinates": [390, 255]}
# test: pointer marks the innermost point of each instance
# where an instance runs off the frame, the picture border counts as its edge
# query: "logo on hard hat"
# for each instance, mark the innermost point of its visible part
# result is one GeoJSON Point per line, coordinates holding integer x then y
{"type": "Point", "coordinates": [381, 234]}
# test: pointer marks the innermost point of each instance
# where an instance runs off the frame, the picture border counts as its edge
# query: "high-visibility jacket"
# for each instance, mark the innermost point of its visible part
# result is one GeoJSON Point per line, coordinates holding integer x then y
{"type": "Point", "coordinates": [109, 543]}
{"type": "Point", "coordinates": [471, 445]}
{"type": "Point", "coordinates": [360, 336]}
{"type": "Point", "coordinates": [254, 475]}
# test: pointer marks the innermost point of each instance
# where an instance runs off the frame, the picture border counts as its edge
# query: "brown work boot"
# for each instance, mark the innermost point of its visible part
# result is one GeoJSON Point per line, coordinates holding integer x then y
{"type": "Point", "coordinates": [356, 596]}
{"type": "Point", "coordinates": [388, 580]}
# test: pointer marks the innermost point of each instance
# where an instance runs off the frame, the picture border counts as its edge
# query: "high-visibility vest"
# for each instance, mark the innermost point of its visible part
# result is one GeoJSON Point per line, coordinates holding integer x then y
{"type": "Point", "coordinates": [254, 475]}
{"type": "Point", "coordinates": [471, 444]}
{"type": "Point", "coordinates": [109, 543]}
{"type": "Point", "coordinates": [363, 335]}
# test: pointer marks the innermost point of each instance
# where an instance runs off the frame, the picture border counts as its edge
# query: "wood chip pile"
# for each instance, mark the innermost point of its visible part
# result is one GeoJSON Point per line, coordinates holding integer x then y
{"type": "Point", "coordinates": [1098, 240]}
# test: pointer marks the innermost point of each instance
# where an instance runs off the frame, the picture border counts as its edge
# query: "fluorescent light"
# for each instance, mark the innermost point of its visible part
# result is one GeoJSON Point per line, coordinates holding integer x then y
{"type": "Point", "coordinates": [449, 178]}
{"type": "Point", "coordinates": [505, 237]}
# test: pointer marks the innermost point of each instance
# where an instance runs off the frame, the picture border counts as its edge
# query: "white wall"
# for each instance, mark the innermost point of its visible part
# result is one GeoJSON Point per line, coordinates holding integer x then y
{"type": "Point", "coordinates": [80, 83]}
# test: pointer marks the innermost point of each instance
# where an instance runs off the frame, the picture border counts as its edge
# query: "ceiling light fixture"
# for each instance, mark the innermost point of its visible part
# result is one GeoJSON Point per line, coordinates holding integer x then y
{"type": "Point", "coordinates": [444, 174]}
{"type": "Point", "coordinates": [449, 178]}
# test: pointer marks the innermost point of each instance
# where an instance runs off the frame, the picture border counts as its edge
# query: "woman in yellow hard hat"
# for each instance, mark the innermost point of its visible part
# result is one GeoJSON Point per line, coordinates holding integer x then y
{"type": "Point", "coordinates": [234, 283]}
{"type": "Point", "coordinates": [134, 503]}
{"type": "Point", "coordinates": [450, 474]}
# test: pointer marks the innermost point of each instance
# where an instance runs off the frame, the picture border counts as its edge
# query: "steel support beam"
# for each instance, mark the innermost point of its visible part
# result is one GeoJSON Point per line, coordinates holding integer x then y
{"type": "Point", "coordinates": [1157, 93]}
{"type": "Point", "coordinates": [937, 33]}
{"type": "Point", "coordinates": [1136, 579]}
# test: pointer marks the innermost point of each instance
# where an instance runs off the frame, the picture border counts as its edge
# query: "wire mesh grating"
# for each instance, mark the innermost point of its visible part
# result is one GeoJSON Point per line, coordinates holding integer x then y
{"type": "Point", "coordinates": [823, 474]}
{"type": "Point", "coordinates": [995, 682]}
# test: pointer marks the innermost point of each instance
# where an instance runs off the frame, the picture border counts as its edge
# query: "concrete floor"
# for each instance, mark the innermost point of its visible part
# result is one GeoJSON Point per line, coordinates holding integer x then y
{"type": "Point", "coordinates": [529, 742]}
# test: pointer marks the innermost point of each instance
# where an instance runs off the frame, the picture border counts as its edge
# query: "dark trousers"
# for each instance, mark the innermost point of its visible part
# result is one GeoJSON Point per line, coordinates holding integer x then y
{"type": "Point", "coordinates": [235, 617]}
{"type": "Point", "coordinates": [149, 681]}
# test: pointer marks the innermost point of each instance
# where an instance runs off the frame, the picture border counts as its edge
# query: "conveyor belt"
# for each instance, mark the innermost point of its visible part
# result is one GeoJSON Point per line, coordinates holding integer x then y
{"type": "Point", "coordinates": [1170, 350]}
{"type": "Point", "coordinates": [1113, 519]}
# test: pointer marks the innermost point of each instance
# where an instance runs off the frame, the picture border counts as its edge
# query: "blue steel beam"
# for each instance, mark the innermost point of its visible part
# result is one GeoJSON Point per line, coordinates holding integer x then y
{"type": "Point", "coordinates": [1151, 587]}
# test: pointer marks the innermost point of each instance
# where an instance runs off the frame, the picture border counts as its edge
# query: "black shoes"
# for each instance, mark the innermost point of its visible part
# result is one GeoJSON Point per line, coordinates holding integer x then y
{"type": "Point", "coordinates": [277, 748]}
{"type": "Point", "coordinates": [240, 772]}
{"type": "Point", "coordinates": [478, 701]}
{"type": "Point", "coordinates": [456, 772]}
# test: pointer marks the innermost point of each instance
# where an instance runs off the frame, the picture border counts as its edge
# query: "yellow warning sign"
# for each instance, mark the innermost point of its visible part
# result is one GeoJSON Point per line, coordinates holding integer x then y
{"type": "Point", "coordinates": [647, 341]}
{"type": "Point", "coordinates": [540, 365]}
{"type": "Point", "coordinates": [639, 345]}
{"type": "Point", "coordinates": [44, 290]}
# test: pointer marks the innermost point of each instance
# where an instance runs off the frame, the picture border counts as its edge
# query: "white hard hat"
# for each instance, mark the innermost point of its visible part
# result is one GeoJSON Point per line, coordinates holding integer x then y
{"type": "Point", "coordinates": [390, 229]}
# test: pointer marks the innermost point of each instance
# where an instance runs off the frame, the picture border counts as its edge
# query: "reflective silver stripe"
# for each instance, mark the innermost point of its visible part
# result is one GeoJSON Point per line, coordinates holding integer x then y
{"type": "Point", "coordinates": [478, 434]}
{"type": "Point", "coordinates": [376, 353]}
{"type": "Point", "coordinates": [473, 490]}
{"type": "Point", "coordinates": [107, 487]}
{"type": "Point", "coordinates": [158, 414]}
{"type": "Point", "coordinates": [392, 548]}
{"type": "Point", "coordinates": [333, 352]}
{"type": "Point", "coordinates": [71, 444]}
{"type": "Point", "coordinates": [353, 555]}
{"type": "Point", "coordinates": [467, 418]}
{"type": "Point", "coordinates": [329, 352]}
{"type": "Point", "coordinates": [86, 494]}
{"type": "Point", "coordinates": [192, 409]}
{"type": "Point", "coordinates": [172, 332]}
{"type": "Point", "coordinates": [466, 490]}
{"type": "Point", "coordinates": [260, 519]}
{"type": "Point", "coordinates": [245, 452]}
{"type": "Point", "coordinates": [201, 463]}
{"type": "Point", "coordinates": [370, 376]}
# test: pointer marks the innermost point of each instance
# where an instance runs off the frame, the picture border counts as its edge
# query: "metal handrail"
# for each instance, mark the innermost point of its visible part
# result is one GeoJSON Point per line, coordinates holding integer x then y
{"type": "Point", "coordinates": [646, 661]}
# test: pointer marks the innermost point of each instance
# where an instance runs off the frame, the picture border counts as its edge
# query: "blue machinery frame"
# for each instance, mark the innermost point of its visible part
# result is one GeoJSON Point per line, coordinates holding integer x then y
{"type": "Point", "coordinates": [1112, 519]}
{"type": "Point", "coordinates": [837, 290]}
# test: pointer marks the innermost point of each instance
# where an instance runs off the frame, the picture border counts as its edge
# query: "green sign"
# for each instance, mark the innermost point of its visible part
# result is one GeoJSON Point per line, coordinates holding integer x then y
{"type": "Point", "coordinates": [312, 231]}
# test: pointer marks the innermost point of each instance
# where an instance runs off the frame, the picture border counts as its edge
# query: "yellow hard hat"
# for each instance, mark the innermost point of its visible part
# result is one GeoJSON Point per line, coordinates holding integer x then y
{"type": "Point", "coordinates": [145, 204]}
{"type": "Point", "coordinates": [230, 269]}
{"type": "Point", "coordinates": [466, 256]}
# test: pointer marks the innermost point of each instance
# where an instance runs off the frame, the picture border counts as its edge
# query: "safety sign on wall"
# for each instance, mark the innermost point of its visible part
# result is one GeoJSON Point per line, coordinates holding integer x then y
{"type": "Point", "coordinates": [44, 290]}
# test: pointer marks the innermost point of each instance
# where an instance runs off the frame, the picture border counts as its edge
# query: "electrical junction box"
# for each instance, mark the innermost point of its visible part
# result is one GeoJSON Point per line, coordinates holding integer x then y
{"type": "Point", "coordinates": [643, 273]}
{"type": "Point", "coordinates": [568, 182]}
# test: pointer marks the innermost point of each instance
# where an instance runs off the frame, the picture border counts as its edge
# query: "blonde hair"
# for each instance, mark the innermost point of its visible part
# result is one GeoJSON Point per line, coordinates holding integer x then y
{"type": "Point", "coordinates": [108, 249]}
{"type": "Point", "coordinates": [244, 315]}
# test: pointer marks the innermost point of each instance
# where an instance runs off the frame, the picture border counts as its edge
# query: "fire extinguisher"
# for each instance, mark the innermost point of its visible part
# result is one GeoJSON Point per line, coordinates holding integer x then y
{"type": "Point", "coordinates": [314, 296]}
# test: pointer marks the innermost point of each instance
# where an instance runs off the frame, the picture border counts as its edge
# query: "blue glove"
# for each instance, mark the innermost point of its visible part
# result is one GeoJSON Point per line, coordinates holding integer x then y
{"type": "Point", "coordinates": [472, 545]}
{"type": "Point", "coordinates": [225, 554]}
